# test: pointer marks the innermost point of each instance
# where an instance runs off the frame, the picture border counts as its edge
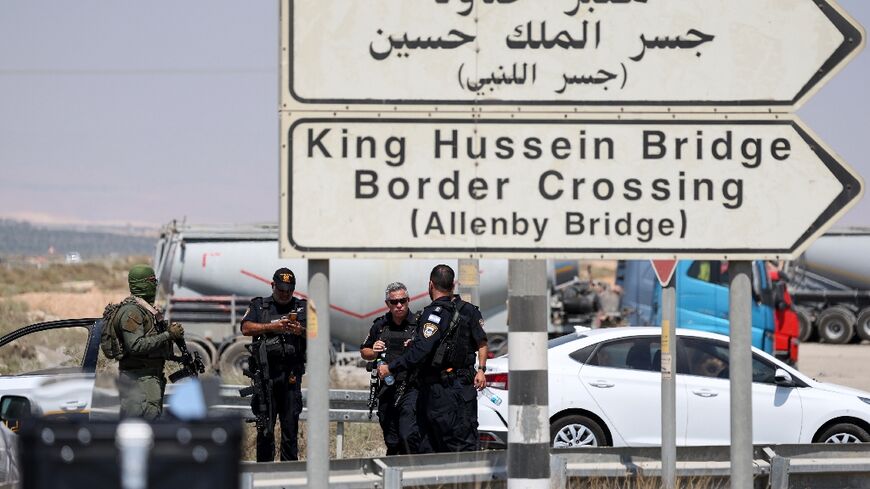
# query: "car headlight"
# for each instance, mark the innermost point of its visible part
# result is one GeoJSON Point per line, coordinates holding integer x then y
{"type": "Point", "coordinates": [864, 399]}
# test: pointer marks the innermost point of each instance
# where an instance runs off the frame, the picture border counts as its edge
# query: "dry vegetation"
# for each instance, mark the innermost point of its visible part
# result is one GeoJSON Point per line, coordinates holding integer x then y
{"type": "Point", "coordinates": [60, 291]}
{"type": "Point", "coordinates": [607, 483]}
{"type": "Point", "coordinates": [640, 483]}
{"type": "Point", "coordinates": [105, 275]}
{"type": "Point", "coordinates": [13, 315]}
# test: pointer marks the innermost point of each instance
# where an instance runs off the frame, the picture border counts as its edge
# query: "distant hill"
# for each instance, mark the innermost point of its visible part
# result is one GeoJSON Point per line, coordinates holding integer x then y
{"type": "Point", "coordinates": [19, 238]}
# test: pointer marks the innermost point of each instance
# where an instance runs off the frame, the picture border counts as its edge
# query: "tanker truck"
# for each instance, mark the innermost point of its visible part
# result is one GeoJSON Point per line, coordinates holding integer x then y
{"type": "Point", "coordinates": [830, 286]}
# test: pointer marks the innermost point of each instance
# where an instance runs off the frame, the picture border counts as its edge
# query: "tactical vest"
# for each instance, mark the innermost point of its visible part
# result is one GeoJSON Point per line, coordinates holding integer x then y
{"type": "Point", "coordinates": [289, 351]}
{"type": "Point", "coordinates": [456, 350]}
{"type": "Point", "coordinates": [153, 360]}
{"type": "Point", "coordinates": [395, 338]}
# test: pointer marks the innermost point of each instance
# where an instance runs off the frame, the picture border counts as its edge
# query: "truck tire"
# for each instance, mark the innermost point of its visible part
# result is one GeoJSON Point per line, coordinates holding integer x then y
{"type": "Point", "coordinates": [836, 325]}
{"type": "Point", "coordinates": [233, 360]}
{"type": "Point", "coordinates": [863, 324]}
{"type": "Point", "coordinates": [807, 328]}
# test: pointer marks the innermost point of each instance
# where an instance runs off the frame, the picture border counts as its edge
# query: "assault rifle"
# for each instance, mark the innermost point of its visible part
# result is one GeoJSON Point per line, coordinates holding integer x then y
{"type": "Point", "coordinates": [411, 378]}
{"type": "Point", "coordinates": [374, 386]}
{"type": "Point", "coordinates": [191, 365]}
{"type": "Point", "coordinates": [261, 387]}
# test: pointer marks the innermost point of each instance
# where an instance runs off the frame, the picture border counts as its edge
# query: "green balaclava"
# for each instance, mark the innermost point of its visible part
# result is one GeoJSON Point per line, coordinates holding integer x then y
{"type": "Point", "coordinates": [143, 282]}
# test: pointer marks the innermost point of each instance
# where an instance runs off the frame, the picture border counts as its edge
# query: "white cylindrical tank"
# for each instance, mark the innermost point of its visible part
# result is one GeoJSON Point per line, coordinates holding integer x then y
{"type": "Point", "coordinates": [842, 256]}
{"type": "Point", "coordinates": [244, 268]}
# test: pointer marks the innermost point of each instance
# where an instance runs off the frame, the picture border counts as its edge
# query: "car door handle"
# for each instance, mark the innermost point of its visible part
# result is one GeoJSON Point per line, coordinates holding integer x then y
{"type": "Point", "coordinates": [73, 405]}
{"type": "Point", "coordinates": [603, 384]}
{"type": "Point", "coordinates": [705, 393]}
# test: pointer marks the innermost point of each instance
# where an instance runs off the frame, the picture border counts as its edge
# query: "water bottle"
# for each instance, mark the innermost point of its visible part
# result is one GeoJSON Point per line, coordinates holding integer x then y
{"type": "Point", "coordinates": [492, 396]}
{"type": "Point", "coordinates": [389, 379]}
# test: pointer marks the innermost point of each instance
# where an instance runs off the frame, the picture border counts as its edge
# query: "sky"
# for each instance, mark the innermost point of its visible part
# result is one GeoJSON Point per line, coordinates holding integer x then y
{"type": "Point", "coordinates": [121, 111]}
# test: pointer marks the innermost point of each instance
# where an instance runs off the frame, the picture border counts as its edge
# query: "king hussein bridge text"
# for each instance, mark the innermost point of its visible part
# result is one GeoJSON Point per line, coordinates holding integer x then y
{"type": "Point", "coordinates": [648, 177]}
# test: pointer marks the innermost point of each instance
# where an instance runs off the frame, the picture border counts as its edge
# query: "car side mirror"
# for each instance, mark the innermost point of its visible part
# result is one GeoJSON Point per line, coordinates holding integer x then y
{"type": "Point", "coordinates": [14, 410]}
{"type": "Point", "coordinates": [783, 378]}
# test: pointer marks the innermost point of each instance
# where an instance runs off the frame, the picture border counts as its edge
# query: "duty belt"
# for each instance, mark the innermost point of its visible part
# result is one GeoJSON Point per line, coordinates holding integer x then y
{"type": "Point", "coordinates": [447, 376]}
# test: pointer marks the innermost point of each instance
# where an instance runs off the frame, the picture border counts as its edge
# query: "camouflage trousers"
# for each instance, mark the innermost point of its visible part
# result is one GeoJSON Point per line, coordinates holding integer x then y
{"type": "Point", "coordinates": [141, 394]}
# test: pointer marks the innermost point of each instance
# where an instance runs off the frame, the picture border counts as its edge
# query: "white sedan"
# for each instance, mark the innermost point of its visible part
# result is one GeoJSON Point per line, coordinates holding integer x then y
{"type": "Point", "coordinates": [605, 389]}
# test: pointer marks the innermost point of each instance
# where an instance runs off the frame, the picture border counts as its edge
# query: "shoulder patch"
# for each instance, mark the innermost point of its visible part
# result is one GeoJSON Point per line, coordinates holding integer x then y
{"type": "Point", "coordinates": [134, 321]}
{"type": "Point", "coordinates": [437, 308]}
{"type": "Point", "coordinates": [434, 318]}
{"type": "Point", "coordinates": [429, 329]}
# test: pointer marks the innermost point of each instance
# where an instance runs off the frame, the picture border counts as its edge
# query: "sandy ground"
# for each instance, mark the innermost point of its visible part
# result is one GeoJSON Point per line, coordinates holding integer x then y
{"type": "Point", "coordinates": [47, 306]}
{"type": "Point", "coordinates": [838, 364]}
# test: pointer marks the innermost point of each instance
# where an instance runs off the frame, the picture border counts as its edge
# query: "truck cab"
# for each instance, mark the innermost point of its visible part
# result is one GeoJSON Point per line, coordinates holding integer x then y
{"type": "Point", "coordinates": [702, 302]}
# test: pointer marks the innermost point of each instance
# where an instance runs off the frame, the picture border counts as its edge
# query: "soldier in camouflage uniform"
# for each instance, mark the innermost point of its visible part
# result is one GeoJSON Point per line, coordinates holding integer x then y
{"type": "Point", "coordinates": [141, 382]}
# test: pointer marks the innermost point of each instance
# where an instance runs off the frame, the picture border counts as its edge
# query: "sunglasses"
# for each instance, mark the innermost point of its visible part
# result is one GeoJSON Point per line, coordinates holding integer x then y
{"type": "Point", "coordinates": [396, 302]}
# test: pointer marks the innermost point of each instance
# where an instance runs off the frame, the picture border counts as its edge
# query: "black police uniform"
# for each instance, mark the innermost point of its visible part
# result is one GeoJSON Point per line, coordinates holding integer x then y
{"type": "Point", "coordinates": [398, 418]}
{"type": "Point", "coordinates": [445, 369]}
{"type": "Point", "coordinates": [286, 372]}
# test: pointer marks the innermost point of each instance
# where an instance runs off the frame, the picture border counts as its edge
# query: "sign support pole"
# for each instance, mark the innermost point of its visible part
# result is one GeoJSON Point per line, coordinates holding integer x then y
{"type": "Point", "coordinates": [469, 281]}
{"type": "Point", "coordinates": [318, 376]}
{"type": "Point", "coordinates": [669, 385]}
{"type": "Point", "coordinates": [528, 401]}
{"type": "Point", "coordinates": [740, 365]}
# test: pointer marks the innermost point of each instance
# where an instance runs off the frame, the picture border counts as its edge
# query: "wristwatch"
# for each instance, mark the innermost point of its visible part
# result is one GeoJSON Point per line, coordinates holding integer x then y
{"type": "Point", "coordinates": [482, 368]}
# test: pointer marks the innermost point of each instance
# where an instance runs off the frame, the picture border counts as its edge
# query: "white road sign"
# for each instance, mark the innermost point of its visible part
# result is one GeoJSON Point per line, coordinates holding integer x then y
{"type": "Point", "coordinates": [612, 188]}
{"type": "Point", "coordinates": [587, 53]}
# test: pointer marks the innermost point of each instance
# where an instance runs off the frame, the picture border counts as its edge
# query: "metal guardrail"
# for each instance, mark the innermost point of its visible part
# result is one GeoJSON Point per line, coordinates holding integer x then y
{"type": "Point", "coordinates": [777, 467]}
{"type": "Point", "coordinates": [345, 406]}
{"type": "Point", "coordinates": [383, 472]}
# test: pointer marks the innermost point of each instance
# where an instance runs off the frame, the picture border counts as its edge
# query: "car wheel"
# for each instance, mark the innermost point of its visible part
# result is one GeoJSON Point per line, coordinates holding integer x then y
{"type": "Point", "coordinates": [807, 331]}
{"type": "Point", "coordinates": [836, 325]}
{"type": "Point", "coordinates": [844, 433]}
{"type": "Point", "coordinates": [864, 324]}
{"type": "Point", "coordinates": [577, 431]}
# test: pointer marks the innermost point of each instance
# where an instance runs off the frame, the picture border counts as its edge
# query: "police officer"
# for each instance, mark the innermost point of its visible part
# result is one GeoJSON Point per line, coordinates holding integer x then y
{"type": "Point", "coordinates": [449, 336]}
{"type": "Point", "coordinates": [390, 334]}
{"type": "Point", "coordinates": [141, 383]}
{"type": "Point", "coordinates": [273, 317]}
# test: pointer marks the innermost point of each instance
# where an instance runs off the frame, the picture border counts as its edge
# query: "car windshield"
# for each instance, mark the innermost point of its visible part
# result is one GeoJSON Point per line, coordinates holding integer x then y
{"type": "Point", "coordinates": [564, 339]}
